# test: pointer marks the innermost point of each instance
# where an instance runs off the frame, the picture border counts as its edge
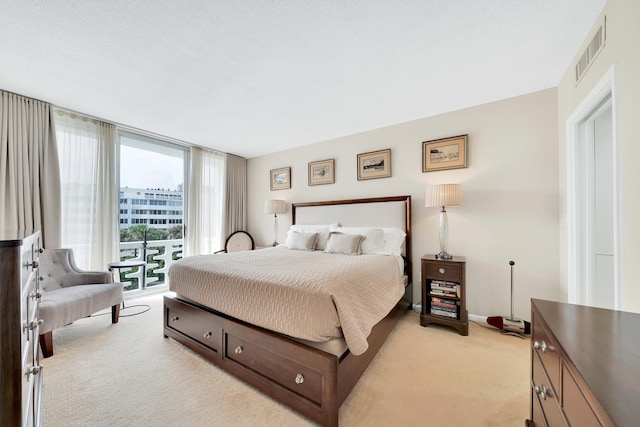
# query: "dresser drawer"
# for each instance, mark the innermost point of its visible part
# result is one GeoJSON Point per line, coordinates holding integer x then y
{"type": "Point", "coordinates": [280, 368]}
{"type": "Point", "coordinates": [197, 324]}
{"type": "Point", "coordinates": [576, 408]}
{"type": "Point", "coordinates": [545, 396]}
{"type": "Point", "coordinates": [444, 271]}
{"type": "Point", "coordinates": [546, 349]}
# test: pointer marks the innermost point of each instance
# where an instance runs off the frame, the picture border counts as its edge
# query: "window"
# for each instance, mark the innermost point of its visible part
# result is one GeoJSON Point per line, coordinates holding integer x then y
{"type": "Point", "coordinates": [152, 173]}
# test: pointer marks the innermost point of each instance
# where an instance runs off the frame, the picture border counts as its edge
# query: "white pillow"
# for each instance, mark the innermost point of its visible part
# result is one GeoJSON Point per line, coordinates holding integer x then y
{"type": "Point", "coordinates": [373, 238]}
{"type": "Point", "coordinates": [302, 241]}
{"type": "Point", "coordinates": [394, 240]}
{"type": "Point", "coordinates": [321, 229]}
{"type": "Point", "coordinates": [347, 244]}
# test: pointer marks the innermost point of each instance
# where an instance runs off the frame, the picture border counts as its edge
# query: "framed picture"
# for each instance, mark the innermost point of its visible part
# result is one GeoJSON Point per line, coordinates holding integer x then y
{"type": "Point", "coordinates": [376, 164]}
{"type": "Point", "coordinates": [445, 153]}
{"type": "Point", "coordinates": [280, 178]}
{"type": "Point", "coordinates": [322, 172]}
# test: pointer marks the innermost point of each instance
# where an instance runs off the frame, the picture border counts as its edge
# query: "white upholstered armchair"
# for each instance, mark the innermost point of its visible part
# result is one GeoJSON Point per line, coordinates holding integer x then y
{"type": "Point", "coordinates": [70, 294]}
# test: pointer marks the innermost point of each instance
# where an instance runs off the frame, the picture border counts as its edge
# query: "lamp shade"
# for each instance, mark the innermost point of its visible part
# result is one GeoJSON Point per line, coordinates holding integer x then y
{"type": "Point", "coordinates": [443, 195]}
{"type": "Point", "coordinates": [275, 206]}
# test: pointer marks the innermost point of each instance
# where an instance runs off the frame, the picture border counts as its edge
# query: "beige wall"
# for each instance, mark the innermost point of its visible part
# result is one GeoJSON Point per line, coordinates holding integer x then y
{"type": "Point", "coordinates": [621, 49]}
{"type": "Point", "coordinates": [510, 189]}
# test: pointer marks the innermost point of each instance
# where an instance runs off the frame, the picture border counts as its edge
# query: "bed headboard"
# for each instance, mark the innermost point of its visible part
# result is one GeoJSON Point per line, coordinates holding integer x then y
{"type": "Point", "coordinates": [392, 211]}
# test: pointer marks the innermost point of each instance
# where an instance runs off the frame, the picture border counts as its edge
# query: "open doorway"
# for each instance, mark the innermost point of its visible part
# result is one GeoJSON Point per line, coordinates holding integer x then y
{"type": "Point", "coordinates": [593, 201]}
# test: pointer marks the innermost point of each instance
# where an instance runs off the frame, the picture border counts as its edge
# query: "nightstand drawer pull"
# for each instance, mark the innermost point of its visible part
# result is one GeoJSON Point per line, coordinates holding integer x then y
{"type": "Point", "coordinates": [238, 349]}
{"type": "Point", "coordinates": [299, 379]}
{"type": "Point", "coordinates": [441, 270]}
{"type": "Point", "coordinates": [175, 318]}
{"type": "Point", "coordinates": [207, 335]}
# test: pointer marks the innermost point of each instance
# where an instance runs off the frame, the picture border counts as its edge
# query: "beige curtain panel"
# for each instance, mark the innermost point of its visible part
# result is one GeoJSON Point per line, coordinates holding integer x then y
{"type": "Point", "coordinates": [29, 173]}
{"type": "Point", "coordinates": [235, 195]}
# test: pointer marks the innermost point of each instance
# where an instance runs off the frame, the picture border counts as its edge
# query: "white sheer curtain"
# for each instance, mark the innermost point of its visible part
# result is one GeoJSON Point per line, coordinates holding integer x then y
{"type": "Point", "coordinates": [203, 228]}
{"type": "Point", "coordinates": [87, 151]}
{"type": "Point", "coordinates": [29, 184]}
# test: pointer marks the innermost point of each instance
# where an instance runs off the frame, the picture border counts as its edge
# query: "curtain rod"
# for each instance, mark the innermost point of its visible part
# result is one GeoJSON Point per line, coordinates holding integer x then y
{"type": "Point", "coordinates": [121, 126]}
{"type": "Point", "coordinates": [132, 129]}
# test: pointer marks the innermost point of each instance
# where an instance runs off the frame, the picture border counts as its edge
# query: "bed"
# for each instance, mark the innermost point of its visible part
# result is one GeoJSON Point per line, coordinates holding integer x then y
{"type": "Point", "coordinates": [312, 353]}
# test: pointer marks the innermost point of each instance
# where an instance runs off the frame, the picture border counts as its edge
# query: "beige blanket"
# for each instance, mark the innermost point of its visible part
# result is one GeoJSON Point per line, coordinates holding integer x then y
{"type": "Point", "coordinates": [304, 294]}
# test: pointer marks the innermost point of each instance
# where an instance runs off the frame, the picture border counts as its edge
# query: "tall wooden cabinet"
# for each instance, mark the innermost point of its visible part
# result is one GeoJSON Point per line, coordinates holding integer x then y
{"type": "Point", "coordinates": [20, 370]}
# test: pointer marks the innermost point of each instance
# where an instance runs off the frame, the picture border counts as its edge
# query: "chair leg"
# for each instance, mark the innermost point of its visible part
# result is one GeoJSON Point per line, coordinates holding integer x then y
{"type": "Point", "coordinates": [115, 313]}
{"type": "Point", "coordinates": [46, 344]}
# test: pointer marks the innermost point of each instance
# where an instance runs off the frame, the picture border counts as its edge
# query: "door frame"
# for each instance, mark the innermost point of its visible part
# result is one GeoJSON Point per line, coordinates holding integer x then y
{"type": "Point", "coordinates": [579, 268]}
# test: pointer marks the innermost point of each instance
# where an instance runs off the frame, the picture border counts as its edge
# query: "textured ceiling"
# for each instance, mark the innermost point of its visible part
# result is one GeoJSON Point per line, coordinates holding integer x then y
{"type": "Point", "coordinates": [252, 77]}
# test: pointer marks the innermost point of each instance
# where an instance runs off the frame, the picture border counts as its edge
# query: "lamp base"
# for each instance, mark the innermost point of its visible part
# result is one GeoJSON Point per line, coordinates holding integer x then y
{"type": "Point", "coordinates": [444, 255]}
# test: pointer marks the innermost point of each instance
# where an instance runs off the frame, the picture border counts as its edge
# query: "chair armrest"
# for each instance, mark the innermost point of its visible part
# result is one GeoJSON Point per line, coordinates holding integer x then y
{"type": "Point", "coordinates": [73, 278]}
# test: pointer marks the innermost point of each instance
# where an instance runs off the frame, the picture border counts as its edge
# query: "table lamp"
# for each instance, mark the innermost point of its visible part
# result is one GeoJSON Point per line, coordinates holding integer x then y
{"type": "Point", "coordinates": [443, 195]}
{"type": "Point", "coordinates": [275, 207]}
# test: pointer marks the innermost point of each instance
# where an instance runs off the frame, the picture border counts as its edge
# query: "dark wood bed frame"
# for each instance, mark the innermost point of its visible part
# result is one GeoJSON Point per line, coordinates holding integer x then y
{"type": "Point", "coordinates": [311, 381]}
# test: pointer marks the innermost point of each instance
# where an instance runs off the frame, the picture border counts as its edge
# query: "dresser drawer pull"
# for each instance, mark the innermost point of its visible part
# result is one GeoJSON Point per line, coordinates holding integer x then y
{"type": "Point", "coordinates": [299, 379]}
{"type": "Point", "coordinates": [541, 391]}
{"type": "Point", "coordinates": [238, 349]}
{"type": "Point", "coordinates": [441, 270]}
{"type": "Point", "coordinates": [34, 370]}
{"type": "Point", "coordinates": [175, 318]}
{"type": "Point", "coordinates": [542, 347]}
{"type": "Point", "coordinates": [207, 334]}
{"type": "Point", "coordinates": [35, 295]}
{"type": "Point", "coordinates": [33, 324]}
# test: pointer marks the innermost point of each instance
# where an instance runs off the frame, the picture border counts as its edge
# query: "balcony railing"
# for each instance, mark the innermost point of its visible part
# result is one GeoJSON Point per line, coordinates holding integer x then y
{"type": "Point", "coordinates": [158, 255]}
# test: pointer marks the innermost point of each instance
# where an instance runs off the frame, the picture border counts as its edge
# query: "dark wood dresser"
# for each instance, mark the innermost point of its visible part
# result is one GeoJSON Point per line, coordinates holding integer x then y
{"type": "Point", "coordinates": [585, 366]}
{"type": "Point", "coordinates": [20, 370]}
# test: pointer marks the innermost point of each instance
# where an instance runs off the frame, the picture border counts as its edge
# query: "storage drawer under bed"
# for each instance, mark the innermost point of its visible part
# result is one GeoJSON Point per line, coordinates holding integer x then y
{"type": "Point", "coordinates": [281, 368]}
{"type": "Point", "coordinates": [196, 324]}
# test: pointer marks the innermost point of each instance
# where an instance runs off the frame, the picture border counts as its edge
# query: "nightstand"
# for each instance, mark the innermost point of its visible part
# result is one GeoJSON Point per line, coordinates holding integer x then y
{"type": "Point", "coordinates": [443, 293]}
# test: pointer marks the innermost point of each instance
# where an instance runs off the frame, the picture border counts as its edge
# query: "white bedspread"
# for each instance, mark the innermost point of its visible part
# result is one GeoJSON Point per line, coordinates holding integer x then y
{"type": "Point", "coordinates": [310, 295]}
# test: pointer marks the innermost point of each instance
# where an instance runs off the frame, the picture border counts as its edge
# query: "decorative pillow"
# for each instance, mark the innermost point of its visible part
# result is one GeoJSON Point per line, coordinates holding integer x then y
{"type": "Point", "coordinates": [302, 241]}
{"type": "Point", "coordinates": [321, 229]}
{"type": "Point", "coordinates": [373, 238]}
{"type": "Point", "coordinates": [347, 244]}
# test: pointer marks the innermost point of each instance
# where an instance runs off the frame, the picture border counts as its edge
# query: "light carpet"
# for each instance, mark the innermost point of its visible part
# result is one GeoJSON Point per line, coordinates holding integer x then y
{"type": "Point", "coordinates": [128, 374]}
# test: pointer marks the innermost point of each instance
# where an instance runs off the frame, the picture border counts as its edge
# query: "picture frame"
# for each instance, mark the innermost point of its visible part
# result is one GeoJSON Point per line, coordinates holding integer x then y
{"type": "Point", "coordinates": [374, 164]}
{"type": "Point", "coordinates": [445, 153]}
{"type": "Point", "coordinates": [322, 172]}
{"type": "Point", "coordinates": [280, 179]}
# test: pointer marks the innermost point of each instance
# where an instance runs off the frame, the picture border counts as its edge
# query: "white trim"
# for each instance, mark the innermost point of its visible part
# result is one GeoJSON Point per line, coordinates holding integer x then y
{"type": "Point", "coordinates": [607, 86]}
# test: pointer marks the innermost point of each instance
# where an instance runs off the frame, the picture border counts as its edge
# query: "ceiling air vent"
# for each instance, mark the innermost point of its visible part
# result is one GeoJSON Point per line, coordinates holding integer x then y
{"type": "Point", "coordinates": [592, 50]}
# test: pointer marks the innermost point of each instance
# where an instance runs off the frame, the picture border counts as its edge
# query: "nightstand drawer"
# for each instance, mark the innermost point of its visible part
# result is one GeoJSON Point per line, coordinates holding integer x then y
{"type": "Point", "coordinates": [444, 271]}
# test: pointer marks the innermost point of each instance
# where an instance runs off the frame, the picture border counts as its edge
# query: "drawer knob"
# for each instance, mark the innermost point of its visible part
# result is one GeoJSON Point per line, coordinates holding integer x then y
{"type": "Point", "coordinates": [34, 264]}
{"type": "Point", "coordinates": [35, 295]}
{"type": "Point", "coordinates": [175, 318]}
{"type": "Point", "coordinates": [238, 349]}
{"type": "Point", "coordinates": [543, 347]}
{"type": "Point", "coordinates": [207, 334]}
{"type": "Point", "coordinates": [299, 379]}
{"type": "Point", "coordinates": [32, 325]}
{"type": "Point", "coordinates": [541, 391]}
{"type": "Point", "coordinates": [441, 270]}
{"type": "Point", "coordinates": [34, 370]}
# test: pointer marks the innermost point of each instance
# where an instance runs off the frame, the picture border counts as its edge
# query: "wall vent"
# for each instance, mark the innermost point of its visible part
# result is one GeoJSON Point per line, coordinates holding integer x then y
{"type": "Point", "coordinates": [592, 50]}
